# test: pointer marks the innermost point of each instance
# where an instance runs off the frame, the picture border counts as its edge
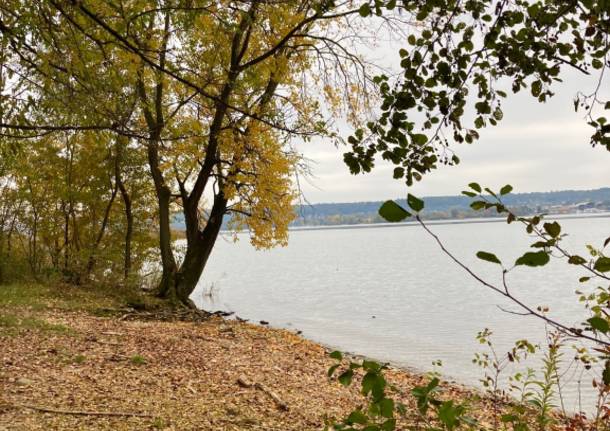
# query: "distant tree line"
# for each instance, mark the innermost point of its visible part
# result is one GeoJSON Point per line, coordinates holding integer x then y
{"type": "Point", "coordinates": [456, 207]}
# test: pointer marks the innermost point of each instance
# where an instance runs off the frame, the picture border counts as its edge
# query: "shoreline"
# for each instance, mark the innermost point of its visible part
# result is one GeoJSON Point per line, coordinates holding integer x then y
{"type": "Point", "coordinates": [441, 222]}
{"type": "Point", "coordinates": [125, 370]}
{"type": "Point", "coordinates": [71, 363]}
{"type": "Point", "coordinates": [430, 222]}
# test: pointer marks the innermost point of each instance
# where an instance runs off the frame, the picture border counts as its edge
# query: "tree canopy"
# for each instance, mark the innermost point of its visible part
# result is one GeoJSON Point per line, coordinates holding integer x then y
{"type": "Point", "coordinates": [461, 65]}
{"type": "Point", "coordinates": [208, 97]}
{"type": "Point", "coordinates": [209, 94]}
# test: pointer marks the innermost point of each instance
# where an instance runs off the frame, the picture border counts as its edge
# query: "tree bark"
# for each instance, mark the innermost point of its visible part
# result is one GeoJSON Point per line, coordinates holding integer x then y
{"type": "Point", "coordinates": [129, 229]}
{"type": "Point", "coordinates": [199, 248]}
{"type": "Point", "coordinates": [168, 261]}
{"type": "Point", "coordinates": [128, 206]}
{"type": "Point", "coordinates": [156, 122]}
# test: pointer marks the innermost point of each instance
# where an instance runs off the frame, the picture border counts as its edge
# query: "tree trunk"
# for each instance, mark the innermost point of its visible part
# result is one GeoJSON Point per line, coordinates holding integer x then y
{"type": "Point", "coordinates": [199, 247]}
{"type": "Point", "coordinates": [168, 263]}
{"type": "Point", "coordinates": [165, 244]}
{"type": "Point", "coordinates": [121, 143]}
{"type": "Point", "coordinates": [128, 231]}
{"type": "Point", "coordinates": [33, 258]}
{"type": "Point", "coordinates": [2, 259]}
{"type": "Point", "coordinates": [66, 237]}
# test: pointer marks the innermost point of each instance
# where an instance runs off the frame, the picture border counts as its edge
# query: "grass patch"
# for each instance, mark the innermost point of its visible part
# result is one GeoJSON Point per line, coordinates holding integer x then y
{"type": "Point", "coordinates": [79, 359]}
{"type": "Point", "coordinates": [137, 360]}
{"type": "Point", "coordinates": [158, 424]}
{"type": "Point", "coordinates": [24, 295]}
{"type": "Point", "coordinates": [98, 300]}
{"type": "Point", "coordinates": [14, 324]}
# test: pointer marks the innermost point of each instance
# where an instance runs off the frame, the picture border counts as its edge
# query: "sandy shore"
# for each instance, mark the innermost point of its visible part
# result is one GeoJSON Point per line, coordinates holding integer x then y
{"type": "Point", "coordinates": [64, 367]}
{"type": "Point", "coordinates": [168, 375]}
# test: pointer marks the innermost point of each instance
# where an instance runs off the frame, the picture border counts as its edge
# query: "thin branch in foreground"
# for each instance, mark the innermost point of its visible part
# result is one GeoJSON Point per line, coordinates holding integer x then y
{"type": "Point", "coordinates": [527, 309]}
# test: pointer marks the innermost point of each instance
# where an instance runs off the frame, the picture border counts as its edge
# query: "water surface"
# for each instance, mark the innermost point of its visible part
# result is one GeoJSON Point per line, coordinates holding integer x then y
{"type": "Point", "coordinates": [389, 292]}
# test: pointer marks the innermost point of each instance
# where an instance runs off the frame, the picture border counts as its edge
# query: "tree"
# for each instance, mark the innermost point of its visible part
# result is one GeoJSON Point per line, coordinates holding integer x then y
{"type": "Point", "coordinates": [60, 205]}
{"type": "Point", "coordinates": [461, 60]}
{"type": "Point", "coordinates": [460, 63]}
{"type": "Point", "coordinates": [465, 60]}
{"type": "Point", "coordinates": [214, 91]}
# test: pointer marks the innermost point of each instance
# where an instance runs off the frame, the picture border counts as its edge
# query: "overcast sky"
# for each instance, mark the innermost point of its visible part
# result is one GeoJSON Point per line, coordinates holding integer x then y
{"type": "Point", "coordinates": [536, 147]}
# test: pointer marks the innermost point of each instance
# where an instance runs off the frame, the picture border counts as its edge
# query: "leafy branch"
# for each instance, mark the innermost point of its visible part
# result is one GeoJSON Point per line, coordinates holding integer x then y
{"type": "Point", "coordinates": [550, 235]}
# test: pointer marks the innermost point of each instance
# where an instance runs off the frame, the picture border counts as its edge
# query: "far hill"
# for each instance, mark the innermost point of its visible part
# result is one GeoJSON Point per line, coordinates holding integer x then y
{"type": "Point", "coordinates": [449, 207]}
{"type": "Point", "coordinates": [458, 207]}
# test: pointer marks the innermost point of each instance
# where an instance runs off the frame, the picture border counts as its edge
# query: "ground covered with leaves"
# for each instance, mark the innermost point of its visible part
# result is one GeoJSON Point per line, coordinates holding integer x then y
{"type": "Point", "coordinates": [64, 367]}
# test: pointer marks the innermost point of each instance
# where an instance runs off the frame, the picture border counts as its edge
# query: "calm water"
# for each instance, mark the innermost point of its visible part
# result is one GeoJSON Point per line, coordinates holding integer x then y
{"type": "Point", "coordinates": [389, 293]}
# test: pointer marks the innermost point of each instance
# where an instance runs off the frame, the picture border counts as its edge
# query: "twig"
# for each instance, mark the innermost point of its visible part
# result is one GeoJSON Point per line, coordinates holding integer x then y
{"type": "Point", "coordinates": [504, 292]}
{"type": "Point", "coordinates": [245, 383]}
{"type": "Point", "coordinates": [81, 412]}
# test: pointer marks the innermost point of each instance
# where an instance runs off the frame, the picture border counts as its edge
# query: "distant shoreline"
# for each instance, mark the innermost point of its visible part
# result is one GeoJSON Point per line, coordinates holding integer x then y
{"type": "Point", "coordinates": [444, 210]}
{"type": "Point", "coordinates": [443, 222]}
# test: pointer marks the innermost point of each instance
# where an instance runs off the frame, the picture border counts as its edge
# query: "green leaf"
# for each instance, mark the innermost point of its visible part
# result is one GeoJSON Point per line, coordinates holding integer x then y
{"type": "Point", "coordinates": [553, 229]}
{"type": "Point", "coordinates": [365, 10]}
{"type": "Point", "coordinates": [415, 204]}
{"type": "Point", "coordinates": [346, 377]}
{"type": "Point", "coordinates": [389, 425]}
{"type": "Point", "coordinates": [469, 194]}
{"type": "Point", "coordinates": [606, 374]}
{"type": "Point", "coordinates": [357, 417]}
{"type": "Point", "coordinates": [602, 264]}
{"type": "Point", "coordinates": [386, 407]}
{"type": "Point", "coordinates": [576, 260]}
{"type": "Point", "coordinates": [332, 370]}
{"type": "Point", "coordinates": [540, 244]}
{"type": "Point", "coordinates": [489, 257]}
{"type": "Point", "coordinates": [378, 387]}
{"type": "Point", "coordinates": [539, 258]}
{"type": "Point", "coordinates": [336, 355]}
{"type": "Point", "coordinates": [506, 189]}
{"type": "Point", "coordinates": [536, 88]}
{"type": "Point", "coordinates": [509, 418]}
{"type": "Point", "coordinates": [599, 324]}
{"type": "Point", "coordinates": [368, 382]}
{"type": "Point", "coordinates": [419, 139]}
{"type": "Point", "coordinates": [476, 187]}
{"type": "Point", "coordinates": [393, 212]}
{"type": "Point", "coordinates": [371, 365]}
{"type": "Point", "coordinates": [448, 414]}
{"type": "Point", "coordinates": [477, 205]}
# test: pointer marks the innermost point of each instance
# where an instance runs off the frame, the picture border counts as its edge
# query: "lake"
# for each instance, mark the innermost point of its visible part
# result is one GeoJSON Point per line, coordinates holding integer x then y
{"type": "Point", "coordinates": [388, 292]}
